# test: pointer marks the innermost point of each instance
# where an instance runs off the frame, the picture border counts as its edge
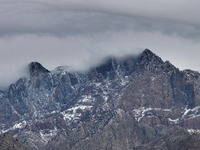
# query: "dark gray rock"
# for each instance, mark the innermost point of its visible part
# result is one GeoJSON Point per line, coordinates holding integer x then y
{"type": "Point", "coordinates": [7, 142]}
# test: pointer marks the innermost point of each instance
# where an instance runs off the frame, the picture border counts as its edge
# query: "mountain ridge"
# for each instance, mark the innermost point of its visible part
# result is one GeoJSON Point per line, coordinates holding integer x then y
{"type": "Point", "coordinates": [50, 105]}
{"type": "Point", "coordinates": [147, 55]}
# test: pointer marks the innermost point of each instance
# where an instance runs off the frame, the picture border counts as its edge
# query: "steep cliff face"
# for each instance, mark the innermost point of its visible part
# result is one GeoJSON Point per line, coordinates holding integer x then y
{"type": "Point", "coordinates": [162, 94]}
{"type": "Point", "coordinates": [157, 84]}
{"type": "Point", "coordinates": [123, 100]}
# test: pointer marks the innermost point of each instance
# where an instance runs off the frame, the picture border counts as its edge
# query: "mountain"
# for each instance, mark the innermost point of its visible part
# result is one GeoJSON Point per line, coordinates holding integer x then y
{"type": "Point", "coordinates": [134, 102]}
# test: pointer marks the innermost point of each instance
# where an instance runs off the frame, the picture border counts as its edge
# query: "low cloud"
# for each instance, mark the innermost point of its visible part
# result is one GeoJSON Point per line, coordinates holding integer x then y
{"type": "Point", "coordinates": [81, 33]}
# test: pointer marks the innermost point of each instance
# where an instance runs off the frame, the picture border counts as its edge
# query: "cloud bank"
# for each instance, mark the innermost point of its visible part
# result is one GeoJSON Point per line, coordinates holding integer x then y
{"type": "Point", "coordinates": [80, 33]}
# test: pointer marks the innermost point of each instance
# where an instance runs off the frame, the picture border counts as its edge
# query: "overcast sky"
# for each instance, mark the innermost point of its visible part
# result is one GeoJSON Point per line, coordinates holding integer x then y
{"type": "Point", "coordinates": [79, 33]}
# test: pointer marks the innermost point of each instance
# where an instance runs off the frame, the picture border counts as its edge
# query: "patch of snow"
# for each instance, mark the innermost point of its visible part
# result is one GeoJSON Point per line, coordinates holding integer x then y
{"type": "Point", "coordinates": [126, 77]}
{"type": "Point", "coordinates": [97, 84]}
{"type": "Point", "coordinates": [105, 98]}
{"type": "Point", "coordinates": [86, 98]}
{"type": "Point", "coordinates": [72, 114]}
{"type": "Point", "coordinates": [186, 112]}
{"type": "Point", "coordinates": [124, 82]}
{"type": "Point", "coordinates": [162, 109]}
{"type": "Point", "coordinates": [140, 113]}
{"type": "Point", "coordinates": [175, 121]}
{"type": "Point", "coordinates": [193, 131]}
{"type": "Point", "coordinates": [167, 109]}
{"type": "Point", "coordinates": [19, 125]}
{"type": "Point", "coordinates": [2, 125]}
{"type": "Point", "coordinates": [152, 79]}
{"type": "Point", "coordinates": [196, 109]}
{"type": "Point", "coordinates": [108, 83]}
{"type": "Point", "coordinates": [68, 116]}
{"type": "Point", "coordinates": [54, 112]}
{"type": "Point", "coordinates": [4, 131]}
{"type": "Point", "coordinates": [105, 92]}
{"type": "Point", "coordinates": [194, 112]}
{"type": "Point", "coordinates": [48, 135]}
{"type": "Point", "coordinates": [82, 107]}
{"type": "Point", "coordinates": [46, 94]}
{"type": "Point", "coordinates": [16, 126]}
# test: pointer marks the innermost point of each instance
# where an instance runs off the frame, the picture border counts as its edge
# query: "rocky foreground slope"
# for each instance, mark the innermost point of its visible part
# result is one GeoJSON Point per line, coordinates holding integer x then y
{"type": "Point", "coordinates": [7, 142]}
{"type": "Point", "coordinates": [126, 103]}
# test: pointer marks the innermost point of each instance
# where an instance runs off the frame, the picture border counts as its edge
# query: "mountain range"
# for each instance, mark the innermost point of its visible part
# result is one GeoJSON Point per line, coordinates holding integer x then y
{"type": "Point", "coordinates": [135, 102]}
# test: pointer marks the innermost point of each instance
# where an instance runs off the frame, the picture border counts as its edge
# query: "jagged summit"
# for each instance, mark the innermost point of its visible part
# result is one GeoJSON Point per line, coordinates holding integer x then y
{"type": "Point", "coordinates": [148, 56]}
{"type": "Point", "coordinates": [148, 51]}
{"type": "Point", "coordinates": [147, 59]}
{"type": "Point", "coordinates": [35, 68]}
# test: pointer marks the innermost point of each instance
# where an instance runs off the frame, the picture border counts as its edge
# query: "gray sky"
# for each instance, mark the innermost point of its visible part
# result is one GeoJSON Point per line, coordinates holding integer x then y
{"type": "Point", "coordinates": [79, 33]}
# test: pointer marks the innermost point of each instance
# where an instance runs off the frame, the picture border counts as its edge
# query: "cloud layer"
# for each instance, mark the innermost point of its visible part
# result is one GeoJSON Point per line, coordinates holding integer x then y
{"type": "Point", "coordinates": [80, 33]}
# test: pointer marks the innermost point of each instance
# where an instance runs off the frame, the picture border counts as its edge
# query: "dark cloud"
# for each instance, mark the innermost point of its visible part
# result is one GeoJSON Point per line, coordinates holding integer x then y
{"type": "Point", "coordinates": [81, 33]}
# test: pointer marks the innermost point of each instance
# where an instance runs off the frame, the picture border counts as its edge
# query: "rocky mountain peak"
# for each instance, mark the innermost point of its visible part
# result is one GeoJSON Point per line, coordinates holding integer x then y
{"type": "Point", "coordinates": [148, 52]}
{"type": "Point", "coordinates": [148, 56]}
{"type": "Point", "coordinates": [149, 61]}
{"type": "Point", "coordinates": [71, 109]}
{"type": "Point", "coordinates": [35, 68]}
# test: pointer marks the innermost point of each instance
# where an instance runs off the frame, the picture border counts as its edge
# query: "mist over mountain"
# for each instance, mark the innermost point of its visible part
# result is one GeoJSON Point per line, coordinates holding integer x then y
{"type": "Point", "coordinates": [79, 34]}
{"type": "Point", "coordinates": [133, 102]}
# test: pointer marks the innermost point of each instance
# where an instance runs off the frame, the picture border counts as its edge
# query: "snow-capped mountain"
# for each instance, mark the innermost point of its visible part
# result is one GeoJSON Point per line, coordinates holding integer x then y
{"type": "Point", "coordinates": [64, 107]}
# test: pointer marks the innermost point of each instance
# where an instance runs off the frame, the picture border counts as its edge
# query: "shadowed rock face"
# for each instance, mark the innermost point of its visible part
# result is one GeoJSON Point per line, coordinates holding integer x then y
{"type": "Point", "coordinates": [7, 142]}
{"type": "Point", "coordinates": [35, 68]}
{"type": "Point", "coordinates": [176, 141]}
{"type": "Point", "coordinates": [122, 104]}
